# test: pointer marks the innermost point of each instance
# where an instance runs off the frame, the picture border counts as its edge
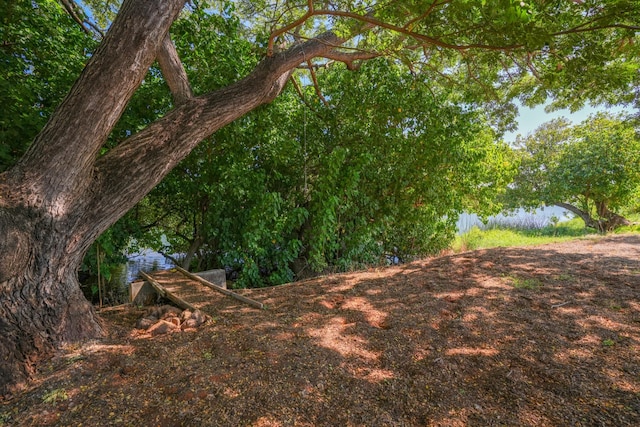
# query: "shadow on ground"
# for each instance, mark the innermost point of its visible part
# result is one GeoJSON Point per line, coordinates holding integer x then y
{"type": "Point", "coordinates": [538, 336]}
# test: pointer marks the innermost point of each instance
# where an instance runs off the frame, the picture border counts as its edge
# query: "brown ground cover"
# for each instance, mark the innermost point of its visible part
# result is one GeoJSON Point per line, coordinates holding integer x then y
{"type": "Point", "coordinates": [536, 336]}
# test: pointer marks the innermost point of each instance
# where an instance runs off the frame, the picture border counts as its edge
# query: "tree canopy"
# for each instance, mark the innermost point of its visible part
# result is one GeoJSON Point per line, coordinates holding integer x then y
{"type": "Point", "coordinates": [374, 173]}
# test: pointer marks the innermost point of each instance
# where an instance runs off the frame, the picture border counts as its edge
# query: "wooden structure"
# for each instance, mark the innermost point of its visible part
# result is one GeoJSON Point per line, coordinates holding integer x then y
{"type": "Point", "coordinates": [184, 289]}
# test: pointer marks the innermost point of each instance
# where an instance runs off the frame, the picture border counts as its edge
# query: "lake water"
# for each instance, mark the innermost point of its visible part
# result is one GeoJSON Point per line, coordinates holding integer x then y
{"type": "Point", "coordinates": [539, 218]}
{"type": "Point", "coordinates": [146, 261]}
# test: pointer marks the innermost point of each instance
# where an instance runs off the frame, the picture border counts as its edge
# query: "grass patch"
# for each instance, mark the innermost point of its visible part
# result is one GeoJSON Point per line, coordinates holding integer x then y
{"type": "Point", "coordinates": [54, 396]}
{"type": "Point", "coordinates": [508, 236]}
{"type": "Point", "coordinates": [522, 283]}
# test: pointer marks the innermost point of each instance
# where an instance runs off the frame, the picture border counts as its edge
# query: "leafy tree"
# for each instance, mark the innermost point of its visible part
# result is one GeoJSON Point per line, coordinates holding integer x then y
{"type": "Point", "coordinates": [590, 169]}
{"type": "Point", "coordinates": [336, 184]}
{"type": "Point", "coordinates": [397, 161]}
{"type": "Point", "coordinates": [74, 181]}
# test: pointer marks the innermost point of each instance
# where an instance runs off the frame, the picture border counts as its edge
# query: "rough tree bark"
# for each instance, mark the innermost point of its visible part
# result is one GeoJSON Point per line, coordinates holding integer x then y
{"type": "Point", "coordinates": [63, 194]}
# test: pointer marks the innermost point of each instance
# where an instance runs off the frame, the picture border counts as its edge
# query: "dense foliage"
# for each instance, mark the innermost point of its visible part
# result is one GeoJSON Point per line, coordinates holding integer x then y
{"type": "Point", "coordinates": [42, 51]}
{"type": "Point", "coordinates": [347, 167]}
{"type": "Point", "coordinates": [369, 173]}
{"type": "Point", "coordinates": [378, 175]}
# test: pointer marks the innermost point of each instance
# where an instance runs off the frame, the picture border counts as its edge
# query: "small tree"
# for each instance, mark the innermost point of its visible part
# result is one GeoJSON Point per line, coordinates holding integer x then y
{"type": "Point", "coordinates": [590, 169]}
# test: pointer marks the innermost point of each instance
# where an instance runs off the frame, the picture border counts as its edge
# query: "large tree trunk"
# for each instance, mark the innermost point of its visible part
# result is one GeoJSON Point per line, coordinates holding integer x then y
{"type": "Point", "coordinates": [41, 305]}
{"type": "Point", "coordinates": [63, 194]}
{"type": "Point", "coordinates": [50, 202]}
{"type": "Point", "coordinates": [609, 220]}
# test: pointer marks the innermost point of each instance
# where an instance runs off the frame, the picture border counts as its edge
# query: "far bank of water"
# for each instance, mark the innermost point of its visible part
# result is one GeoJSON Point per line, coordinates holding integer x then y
{"type": "Point", "coordinates": [539, 218]}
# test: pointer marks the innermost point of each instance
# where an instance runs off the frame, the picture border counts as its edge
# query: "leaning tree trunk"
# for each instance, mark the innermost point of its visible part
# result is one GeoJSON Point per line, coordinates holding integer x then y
{"type": "Point", "coordinates": [52, 203]}
{"type": "Point", "coordinates": [607, 221]}
{"type": "Point", "coordinates": [588, 221]}
{"type": "Point", "coordinates": [63, 194]}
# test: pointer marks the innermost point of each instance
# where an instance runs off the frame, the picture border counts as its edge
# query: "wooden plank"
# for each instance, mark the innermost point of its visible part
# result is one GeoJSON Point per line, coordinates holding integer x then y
{"type": "Point", "coordinates": [166, 294]}
{"type": "Point", "coordinates": [227, 292]}
{"type": "Point", "coordinates": [142, 293]}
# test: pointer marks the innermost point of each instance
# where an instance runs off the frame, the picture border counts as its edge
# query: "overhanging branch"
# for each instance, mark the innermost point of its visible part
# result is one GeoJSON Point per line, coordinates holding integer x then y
{"type": "Point", "coordinates": [82, 123]}
{"type": "Point", "coordinates": [126, 173]}
{"type": "Point", "coordinates": [373, 22]}
{"type": "Point", "coordinates": [348, 58]}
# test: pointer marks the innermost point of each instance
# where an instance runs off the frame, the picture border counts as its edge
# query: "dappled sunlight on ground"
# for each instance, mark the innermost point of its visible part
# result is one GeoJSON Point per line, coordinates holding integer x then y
{"type": "Point", "coordinates": [334, 335]}
{"type": "Point", "coordinates": [541, 336]}
{"type": "Point", "coordinates": [468, 351]}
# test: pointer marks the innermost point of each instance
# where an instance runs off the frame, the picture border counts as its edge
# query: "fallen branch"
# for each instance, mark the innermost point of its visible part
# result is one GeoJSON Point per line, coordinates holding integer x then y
{"type": "Point", "coordinates": [227, 292]}
{"type": "Point", "coordinates": [560, 305]}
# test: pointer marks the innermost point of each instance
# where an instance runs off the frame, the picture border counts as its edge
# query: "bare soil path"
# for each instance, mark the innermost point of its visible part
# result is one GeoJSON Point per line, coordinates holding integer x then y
{"type": "Point", "coordinates": [536, 336]}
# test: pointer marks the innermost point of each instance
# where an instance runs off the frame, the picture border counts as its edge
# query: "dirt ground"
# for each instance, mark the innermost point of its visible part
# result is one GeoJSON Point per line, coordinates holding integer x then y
{"type": "Point", "coordinates": [537, 336]}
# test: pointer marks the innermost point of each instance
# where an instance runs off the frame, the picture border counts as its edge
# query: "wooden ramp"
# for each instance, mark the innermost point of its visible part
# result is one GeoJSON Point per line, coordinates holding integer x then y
{"type": "Point", "coordinates": [190, 291]}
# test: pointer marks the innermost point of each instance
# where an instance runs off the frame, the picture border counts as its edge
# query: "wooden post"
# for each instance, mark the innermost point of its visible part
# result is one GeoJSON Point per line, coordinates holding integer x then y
{"type": "Point", "coordinates": [232, 294]}
{"type": "Point", "coordinates": [98, 264]}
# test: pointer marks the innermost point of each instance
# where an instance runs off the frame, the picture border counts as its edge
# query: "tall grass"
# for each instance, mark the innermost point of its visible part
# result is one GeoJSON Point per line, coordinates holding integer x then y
{"type": "Point", "coordinates": [521, 232]}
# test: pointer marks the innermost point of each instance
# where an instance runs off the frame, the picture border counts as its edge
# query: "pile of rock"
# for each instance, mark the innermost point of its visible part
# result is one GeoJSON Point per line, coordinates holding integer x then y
{"type": "Point", "coordinates": [165, 319]}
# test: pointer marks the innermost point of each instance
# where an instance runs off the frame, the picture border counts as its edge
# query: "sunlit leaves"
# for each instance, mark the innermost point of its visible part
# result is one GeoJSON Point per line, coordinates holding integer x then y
{"type": "Point", "coordinates": [399, 162]}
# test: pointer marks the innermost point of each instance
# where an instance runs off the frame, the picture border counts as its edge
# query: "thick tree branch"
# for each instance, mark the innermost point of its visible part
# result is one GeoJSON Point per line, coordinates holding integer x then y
{"type": "Point", "coordinates": [407, 29]}
{"type": "Point", "coordinates": [174, 72]}
{"type": "Point", "coordinates": [125, 174]}
{"type": "Point", "coordinates": [373, 22]}
{"type": "Point", "coordinates": [350, 57]}
{"type": "Point", "coordinates": [80, 126]}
